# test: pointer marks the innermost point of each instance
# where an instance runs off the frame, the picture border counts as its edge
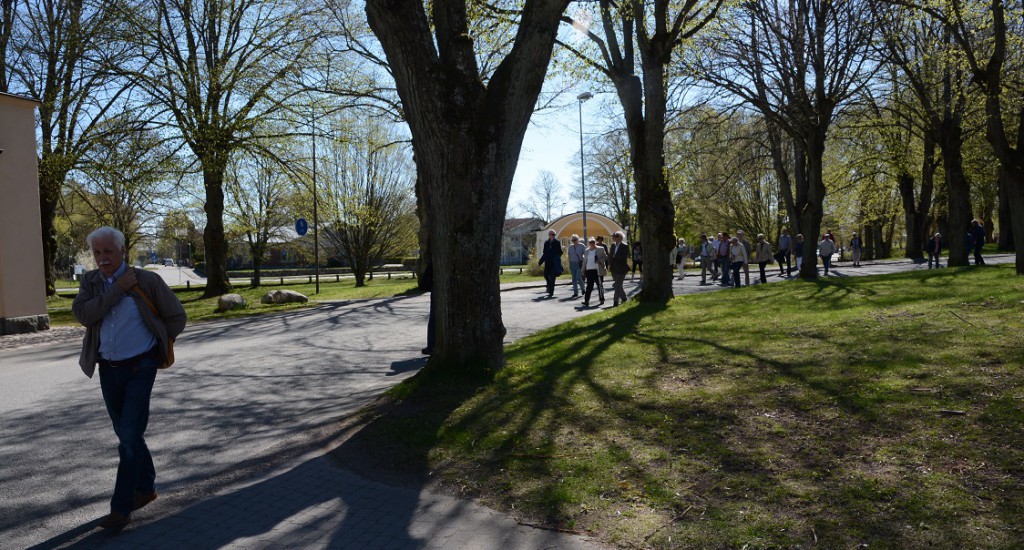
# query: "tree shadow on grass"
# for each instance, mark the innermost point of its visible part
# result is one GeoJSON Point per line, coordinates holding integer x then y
{"type": "Point", "coordinates": [820, 463]}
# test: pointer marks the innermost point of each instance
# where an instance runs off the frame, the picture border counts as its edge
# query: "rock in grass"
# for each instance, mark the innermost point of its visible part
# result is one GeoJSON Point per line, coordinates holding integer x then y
{"type": "Point", "coordinates": [283, 297]}
{"type": "Point", "coordinates": [230, 301]}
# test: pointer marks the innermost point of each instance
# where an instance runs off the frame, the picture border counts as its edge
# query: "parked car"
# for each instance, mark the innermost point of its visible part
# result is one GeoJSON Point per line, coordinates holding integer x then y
{"type": "Point", "coordinates": [169, 262]}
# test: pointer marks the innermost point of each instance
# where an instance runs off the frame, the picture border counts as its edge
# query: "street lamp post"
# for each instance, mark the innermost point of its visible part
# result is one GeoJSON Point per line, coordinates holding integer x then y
{"type": "Point", "coordinates": [583, 184]}
{"type": "Point", "coordinates": [316, 221]}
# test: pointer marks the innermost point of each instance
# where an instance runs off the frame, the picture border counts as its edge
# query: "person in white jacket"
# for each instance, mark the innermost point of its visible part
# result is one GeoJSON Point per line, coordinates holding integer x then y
{"type": "Point", "coordinates": [681, 254]}
{"type": "Point", "coordinates": [737, 259]}
{"type": "Point", "coordinates": [763, 255]}
{"type": "Point", "coordinates": [826, 248]}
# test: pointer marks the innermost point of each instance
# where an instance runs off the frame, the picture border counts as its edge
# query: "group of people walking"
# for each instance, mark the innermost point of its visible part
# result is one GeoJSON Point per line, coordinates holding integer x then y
{"type": "Point", "coordinates": [974, 241]}
{"type": "Point", "coordinates": [725, 258]}
{"type": "Point", "coordinates": [590, 262]}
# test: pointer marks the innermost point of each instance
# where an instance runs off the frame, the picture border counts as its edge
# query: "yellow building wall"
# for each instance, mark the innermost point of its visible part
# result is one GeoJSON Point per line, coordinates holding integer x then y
{"type": "Point", "coordinates": [22, 284]}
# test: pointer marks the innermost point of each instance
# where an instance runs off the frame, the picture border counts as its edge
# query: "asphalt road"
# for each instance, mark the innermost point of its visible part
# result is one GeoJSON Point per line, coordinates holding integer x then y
{"type": "Point", "coordinates": [241, 393]}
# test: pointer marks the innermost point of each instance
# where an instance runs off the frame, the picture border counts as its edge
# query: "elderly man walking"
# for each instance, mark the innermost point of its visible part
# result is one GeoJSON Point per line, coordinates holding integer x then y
{"type": "Point", "coordinates": [131, 317]}
{"type": "Point", "coordinates": [618, 264]}
{"type": "Point", "coordinates": [576, 252]}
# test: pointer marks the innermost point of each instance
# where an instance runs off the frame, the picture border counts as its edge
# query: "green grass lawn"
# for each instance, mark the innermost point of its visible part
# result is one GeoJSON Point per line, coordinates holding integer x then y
{"type": "Point", "coordinates": [883, 411]}
{"type": "Point", "coordinates": [199, 309]}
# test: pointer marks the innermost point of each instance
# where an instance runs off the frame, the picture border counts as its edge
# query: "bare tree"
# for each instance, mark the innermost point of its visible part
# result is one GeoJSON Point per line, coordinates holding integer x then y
{"type": "Point", "coordinates": [545, 197]}
{"type": "Point", "coordinates": [609, 176]}
{"type": "Point", "coordinates": [216, 70]}
{"type": "Point", "coordinates": [257, 188]}
{"type": "Point", "coordinates": [125, 178]}
{"type": "Point", "coordinates": [724, 176]}
{"type": "Point", "coordinates": [64, 56]}
{"type": "Point", "coordinates": [7, 11]}
{"type": "Point", "coordinates": [798, 63]}
{"type": "Point", "coordinates": [369, 183]}
{"type": "Point", "coordinates": [910, 154]}
{"type": "Point", "coordinates": [648, 32]}
{"type": "Point", "coordinates": [467, 131]}
{"type": "Point", "coordinates": [923, 50]}
{"type": "Point", "coordinates": [983, 32]}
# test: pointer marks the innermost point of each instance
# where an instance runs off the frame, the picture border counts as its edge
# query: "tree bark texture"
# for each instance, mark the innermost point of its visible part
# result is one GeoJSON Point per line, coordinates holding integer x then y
{"type": "Point", "coordinates": [1005, 242]}
{"type": "Point", "coordinates": [810, 195]}
{"type": "Point", "coordinates": [655, 210]}
{"type": "Point", "coordinates": [215, 244]}
{"type": "Point", "coordinates": [958, 191]}
{"type": "Point", "coordinates": [466, 137]}
{"type": "Point", "coordinates": [917, 206]}
{"type": "Point", "coordinates": [422, 236]}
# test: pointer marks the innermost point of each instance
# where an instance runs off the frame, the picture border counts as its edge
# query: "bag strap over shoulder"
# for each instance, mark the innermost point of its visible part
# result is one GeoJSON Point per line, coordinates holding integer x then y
{"type": "Point", "coordinates": [145, 297]}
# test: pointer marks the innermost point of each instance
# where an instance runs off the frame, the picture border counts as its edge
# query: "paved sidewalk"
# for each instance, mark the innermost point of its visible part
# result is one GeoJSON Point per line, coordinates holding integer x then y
{"type": "Point", "coordinates": [313, 504]}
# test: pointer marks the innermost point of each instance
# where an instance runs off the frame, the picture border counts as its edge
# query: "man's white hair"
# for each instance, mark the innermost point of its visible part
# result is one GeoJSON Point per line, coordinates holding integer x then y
{"type": "Point", "coordinates": [106, 232]}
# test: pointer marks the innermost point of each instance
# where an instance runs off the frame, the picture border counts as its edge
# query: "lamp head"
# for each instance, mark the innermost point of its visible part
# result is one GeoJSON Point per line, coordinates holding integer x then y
{"type": "Point", "coordinates": [584, 96]}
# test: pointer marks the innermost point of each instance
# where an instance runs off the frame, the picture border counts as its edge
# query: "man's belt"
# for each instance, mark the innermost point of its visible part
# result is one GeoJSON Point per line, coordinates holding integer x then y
{"type": "Point", "coordinates": [129, 362]}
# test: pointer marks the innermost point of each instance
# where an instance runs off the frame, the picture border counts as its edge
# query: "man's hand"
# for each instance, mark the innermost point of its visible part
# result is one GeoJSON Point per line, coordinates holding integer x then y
{"type": "Point", "coordinates": [126, 281]}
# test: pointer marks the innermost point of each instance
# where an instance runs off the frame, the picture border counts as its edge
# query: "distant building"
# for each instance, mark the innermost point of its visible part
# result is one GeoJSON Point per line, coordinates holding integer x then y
{"type": "Point", "coordinates": [517, 238]}
{"type": "Point", "coordinates": [572, 224]}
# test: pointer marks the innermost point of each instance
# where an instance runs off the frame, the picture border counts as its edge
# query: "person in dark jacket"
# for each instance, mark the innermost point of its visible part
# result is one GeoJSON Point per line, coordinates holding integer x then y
{"type": "Point", "coordinates": [978, 234]}
{"type": "Point", "coordinates": [551, 259]}
{"type": "Point", "coordinates": [618, 264]}
{"type": "Point", "coordinates": [934, 249]}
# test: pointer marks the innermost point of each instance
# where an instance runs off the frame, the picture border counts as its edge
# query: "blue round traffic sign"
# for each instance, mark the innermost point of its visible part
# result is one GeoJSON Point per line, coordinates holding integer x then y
{"type": "Point", "coordinates": [301, 226]}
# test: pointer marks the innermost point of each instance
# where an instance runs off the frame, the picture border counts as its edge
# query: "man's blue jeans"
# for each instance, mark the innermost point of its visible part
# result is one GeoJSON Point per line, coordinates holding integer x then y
{"type": "Point", "coordinates": [576, 271]}
{"type": "Point", "coordinates": [126, 391]}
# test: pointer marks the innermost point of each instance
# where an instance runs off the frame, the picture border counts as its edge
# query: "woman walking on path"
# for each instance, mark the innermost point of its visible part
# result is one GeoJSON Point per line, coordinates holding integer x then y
{"type": "Point", "coordinates": [737, 259]}
{"type": "Point", "coordinates": [682, 252]}
{"type": "Point", "coordinates": [763, 253]}
{"type": "Point", "coordinates": [856, 247]}
{"type": "Point", "coordinates": [826, 248]}
{"type": "Point", "coordinates": [551, 259]}
{"type": "Point", "coordinates": [595, 264]}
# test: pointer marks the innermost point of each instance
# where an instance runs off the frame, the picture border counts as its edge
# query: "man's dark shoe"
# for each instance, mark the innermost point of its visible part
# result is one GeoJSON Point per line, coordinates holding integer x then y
{"type": "Point", "coordinates": [142, 499]}
{"type": "Point", "coordinates": [115, 521]}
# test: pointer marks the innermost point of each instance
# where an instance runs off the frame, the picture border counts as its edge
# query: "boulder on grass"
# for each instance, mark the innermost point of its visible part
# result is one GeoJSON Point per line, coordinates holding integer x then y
{"type": "Point", "coordinates": [230, 301]}
{"type": "Point", "coordinates": [283, 297]}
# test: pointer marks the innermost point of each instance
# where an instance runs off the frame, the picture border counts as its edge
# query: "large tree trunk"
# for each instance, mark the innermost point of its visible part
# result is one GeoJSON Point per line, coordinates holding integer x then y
{"type": "Point", "coordinates": [810, 197]}
{"type": "Point", "coordinates": [216, 245]}
{"type": "Point", "coordinates": [1015, 194]}
{"type": "Point", "coordinates": [466, 250]}
{"type": "Point", "coordinates": [1005, 215]}
{"type": "Point", "coordinates": [911, 218]}
{"type": "Point", "coordinates": [916, 212]}
{"type": "Point", "coordinates": [958, 191]}
{"type": "Point", "coordinates": [466, 137]}
{"type": "Point", "coordinates": [51, 181]}
{"type": "Point", "coordinates": [422, 235]}
{"type": "Point", "coordinates": [655, 210]}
